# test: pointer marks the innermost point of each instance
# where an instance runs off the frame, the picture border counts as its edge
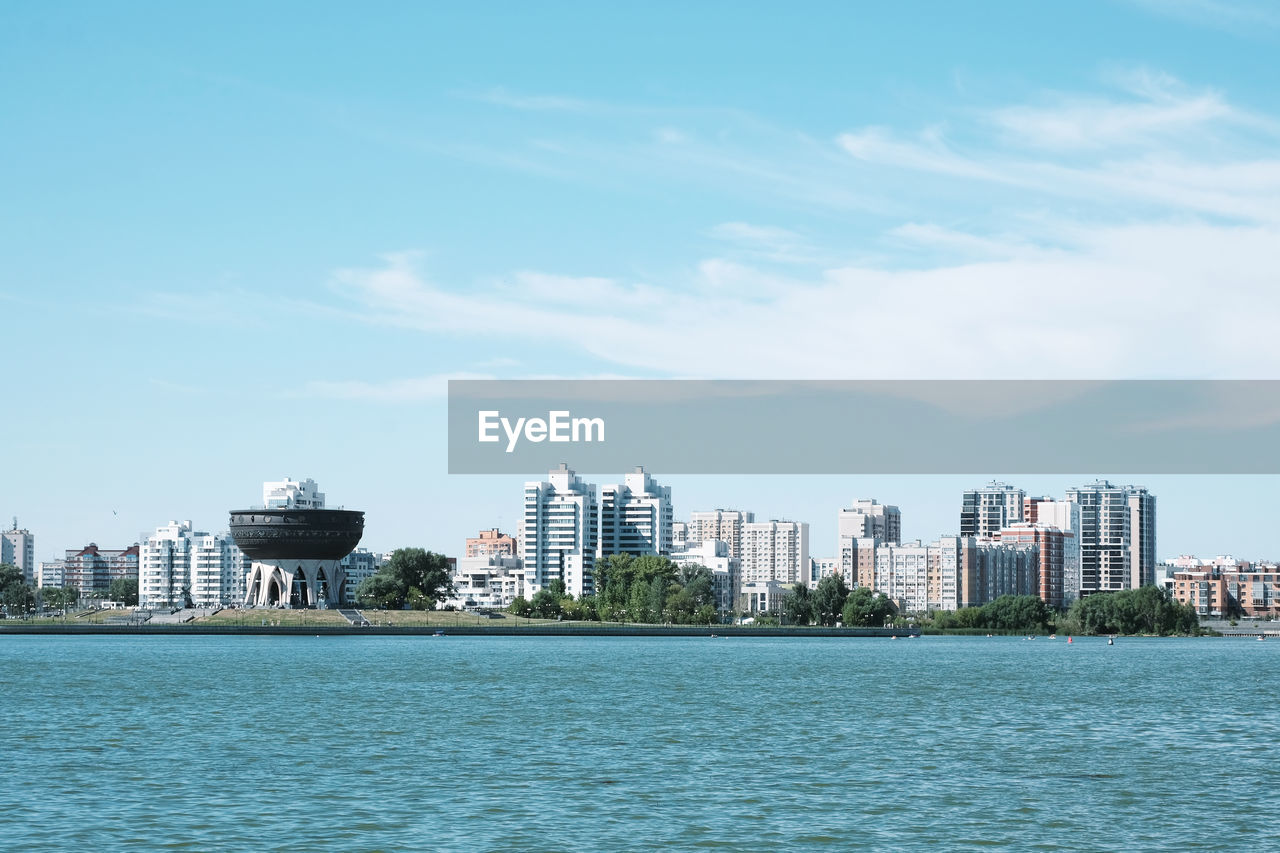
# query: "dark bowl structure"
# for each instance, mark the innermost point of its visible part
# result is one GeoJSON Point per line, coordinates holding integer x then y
{"type": "Point", "coordinates": [296, 534]}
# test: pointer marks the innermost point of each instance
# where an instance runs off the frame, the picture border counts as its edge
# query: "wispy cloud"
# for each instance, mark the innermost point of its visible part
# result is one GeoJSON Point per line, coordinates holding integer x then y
{"type": "Point", "coordinates": [540, 103]}
{"type": "Point", "coordinates": [1242, 17]}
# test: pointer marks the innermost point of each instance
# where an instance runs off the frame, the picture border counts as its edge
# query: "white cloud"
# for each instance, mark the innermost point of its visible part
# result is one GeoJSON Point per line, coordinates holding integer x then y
{"type": "Point", "coordinates": [1088, 237]}
{"type": "Point", "coordinates": [1122, 302]}
{"type": "Point", "coordinates": [1237, 16]}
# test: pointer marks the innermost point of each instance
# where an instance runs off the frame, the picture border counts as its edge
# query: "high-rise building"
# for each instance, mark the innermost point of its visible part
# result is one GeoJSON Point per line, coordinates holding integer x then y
{"type": "Point", "coordinates": [558, 532]}
{"type": "Point", "coordinates": [18, 549]}
{"type": "Point", "coordinates": [865, 522]}
{"type": "Point", "coordinates": [180, 566]}
{"type": "Point", "coordinates": [1052, 549]}
{"type": "Point", "coordinates": [635, 517]}
{"type": "Point", "coordinates": [775, 551]}
{"type": "Point", "coordinates": [984, 511]}
{"type": "Point", "coordinates": [723, 524]}
{"type": "Point", "coordinates": [1065, 516]}
{"type": "Point", "coordinates": [492, 543]}
{"type": "Point", "coordinates": [867, 518]}
{"type": "Point", "coordinates": [92, 569]}
{"type": "Point", "coordinates": [1117, 536]}
{"type": "Point", "coordinates": [951, 572]}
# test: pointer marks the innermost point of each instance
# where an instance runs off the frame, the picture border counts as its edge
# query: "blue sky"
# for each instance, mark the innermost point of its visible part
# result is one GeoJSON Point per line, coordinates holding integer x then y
{"type": "Point", "coordinates": [245, 242]}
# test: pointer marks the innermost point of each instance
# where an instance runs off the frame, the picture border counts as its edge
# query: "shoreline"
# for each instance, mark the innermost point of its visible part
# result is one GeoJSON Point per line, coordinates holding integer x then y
{"type": "Point", "coordinates": [458, 631]}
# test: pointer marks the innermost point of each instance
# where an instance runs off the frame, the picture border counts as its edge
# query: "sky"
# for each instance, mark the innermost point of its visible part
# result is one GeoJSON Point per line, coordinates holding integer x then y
{"type": "Point", "coordinates": [244, 241]}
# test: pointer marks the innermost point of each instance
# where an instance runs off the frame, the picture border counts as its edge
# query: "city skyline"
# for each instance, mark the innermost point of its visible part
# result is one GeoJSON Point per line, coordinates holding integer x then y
{"type": "Point", "coordinates": [237, 252]}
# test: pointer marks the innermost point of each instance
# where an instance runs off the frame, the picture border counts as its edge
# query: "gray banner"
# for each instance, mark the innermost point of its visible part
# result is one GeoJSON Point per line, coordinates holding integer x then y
{"type": "Point", "coordinates": [865, 426]}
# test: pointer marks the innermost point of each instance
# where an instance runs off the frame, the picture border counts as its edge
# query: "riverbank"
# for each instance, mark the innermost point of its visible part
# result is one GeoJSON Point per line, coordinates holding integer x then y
{"type": "Point", "coordinates": [562, 629]}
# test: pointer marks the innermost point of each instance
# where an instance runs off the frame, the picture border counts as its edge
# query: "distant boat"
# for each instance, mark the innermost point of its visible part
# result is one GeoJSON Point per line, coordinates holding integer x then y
{"type": "Point", "coordinates": [1261, 637]}
{"type": "Point", "coordinates": [439, 632]}
{"type": "Point", "coordinates": [1053, 636]}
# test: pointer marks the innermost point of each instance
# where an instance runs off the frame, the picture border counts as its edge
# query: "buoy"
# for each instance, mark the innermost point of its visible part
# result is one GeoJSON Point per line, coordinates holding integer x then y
{"type": "Point", "coordinates": [1068, 639]}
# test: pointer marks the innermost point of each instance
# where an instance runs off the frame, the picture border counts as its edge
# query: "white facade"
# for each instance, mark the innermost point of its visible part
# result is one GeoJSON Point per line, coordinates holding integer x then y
{"type": "Point", "coordinates": [291, 494]}
{"type": "Point", "coordinates": [558, 533]}
{"type": "Point", "coordinates": [178, 563]}
{"type": "Point", "coordinates": [1117, 536]}
{"type": "Point", "coordinates": [775, 551]}
{"type": "Point", "coordinates": [902, 574]}
{"type": "Point", "coordinates": [487, 583]}
{"type": "Point", "coordinates": [723, 524]}
{"type": "Point", "coordinates": [1065, 515]}
{"type": "Point", "coordinates": [51, 574]}
{"type": "Point", "coordinates": [763, 596]}
{"type": "Point", "coordinates": [635, 517]}
{"type": "Point", "coordinates": [821, 567]}
{"type": "Point", "coordinates": [18, 549]}
{"type": "Point", "coordinates": [865, 520]}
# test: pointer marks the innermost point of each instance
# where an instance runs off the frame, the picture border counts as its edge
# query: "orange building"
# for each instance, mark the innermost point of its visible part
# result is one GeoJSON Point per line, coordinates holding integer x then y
{"type": "Point", "coordinates": [493, 543]}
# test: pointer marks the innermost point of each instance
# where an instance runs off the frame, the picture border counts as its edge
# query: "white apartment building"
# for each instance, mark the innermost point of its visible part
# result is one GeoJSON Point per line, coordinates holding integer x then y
{"type": "Point", "coordinates": [775, 551]}
{"type": "Point", "coordinates": [902, 574]}
{"type": "Point", "coordinates": [867, 518]}
{"type": "Point", "coordinates": [821, 567]}
{"type": "Point", "coordinates": [865, 522]}
{"type": "Point", "coordinates": [490, 582]}
{"type": "Point", "coordinates": [178, 564]}
{"type": "Point", "coordinates": [291, 494]}
{"type": "Point", "coordinates": [558, 532]}
{"type": "Point", "coordinates": [986, 511]}
{"type": "Point", "coordinates": [635, 517]}
{"type": "Point", "coordinates": [18, 549]}
{"type": "Point", "coordinates": [1117, 536]}
{"type": "Point", "coordinates": [51, 574]}
{"type": "Point", "coordinates": [723, 524]}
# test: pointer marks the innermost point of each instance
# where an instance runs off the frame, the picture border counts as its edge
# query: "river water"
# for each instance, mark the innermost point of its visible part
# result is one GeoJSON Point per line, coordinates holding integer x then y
{"type": "Point", "coordinates": [491, 743]}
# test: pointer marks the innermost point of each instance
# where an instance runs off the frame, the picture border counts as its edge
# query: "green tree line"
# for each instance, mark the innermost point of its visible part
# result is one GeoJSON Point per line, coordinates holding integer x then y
{"type": "Point", "coordinates": [646, 589]}
{"type": "Point", "coordinates": [1148, 610]}
{"type": "Point", "coordinates": [18, 597]}
{"type": "Point", "coordinates": [832, 602]}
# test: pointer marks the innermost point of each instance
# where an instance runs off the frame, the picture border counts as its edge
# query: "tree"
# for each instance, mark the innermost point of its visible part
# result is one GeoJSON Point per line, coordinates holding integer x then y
{"type": "Point", "coordinates": [414, 577]}
{"type": "Point", "coordinates": [865, 608]}
{"type": "Point", "coordinates": [519, 606]}
{"type": "Point", "coordinates": [797, 606]}
{"type": "Point", "coordinates": [125, 591]}
{"type": "Point", "coordinates": [60, 598]}
{"type": "Point", "coordinates": [381, 591]}
{"type": "Point", "coordinates": [16, 596]}
{"type": "Point", "coordinates": [829, 600]}
{"type": "Point", "coordinates": [545, 604]}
